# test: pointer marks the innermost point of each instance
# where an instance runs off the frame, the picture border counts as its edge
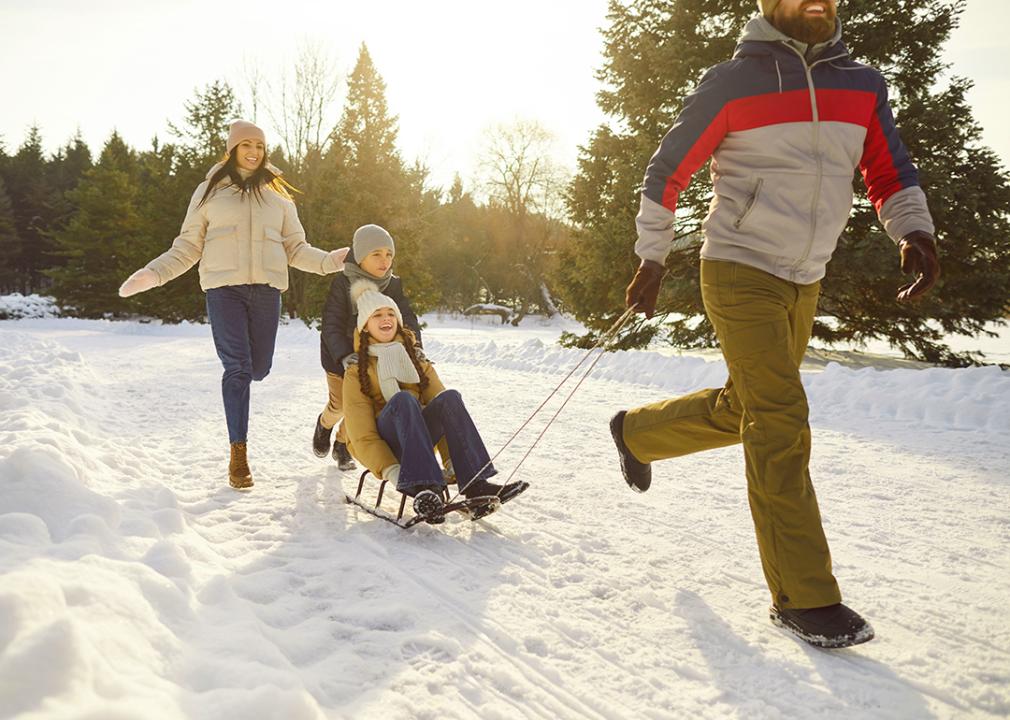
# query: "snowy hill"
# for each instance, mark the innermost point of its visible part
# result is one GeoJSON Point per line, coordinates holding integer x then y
{"type": "Point", "coordinates": [135, 584]}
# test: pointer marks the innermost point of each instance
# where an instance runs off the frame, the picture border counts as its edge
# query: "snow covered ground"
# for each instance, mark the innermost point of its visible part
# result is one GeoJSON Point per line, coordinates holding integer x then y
{"type": "Point", "coordinates": [135, 584]}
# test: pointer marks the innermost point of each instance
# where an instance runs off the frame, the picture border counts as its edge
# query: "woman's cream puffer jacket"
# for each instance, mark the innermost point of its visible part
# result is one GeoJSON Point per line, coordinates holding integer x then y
{"type": "Point", "coordinates": [241, 239]}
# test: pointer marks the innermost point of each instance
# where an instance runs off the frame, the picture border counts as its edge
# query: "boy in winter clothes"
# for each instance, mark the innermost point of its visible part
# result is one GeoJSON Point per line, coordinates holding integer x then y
{"type": "Point", "coordinates": [371, 260]}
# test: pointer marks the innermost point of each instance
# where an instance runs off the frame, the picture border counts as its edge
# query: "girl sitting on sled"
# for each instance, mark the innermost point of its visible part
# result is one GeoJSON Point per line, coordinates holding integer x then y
{"type": "Point", "coordinates": [397, 410]}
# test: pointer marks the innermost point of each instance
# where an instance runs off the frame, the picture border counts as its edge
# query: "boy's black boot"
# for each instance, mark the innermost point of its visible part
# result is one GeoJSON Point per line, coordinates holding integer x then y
{"type": "Point", "coordinates": [342, 456]}
{"type": "Point", "coordinates": [321, 439]}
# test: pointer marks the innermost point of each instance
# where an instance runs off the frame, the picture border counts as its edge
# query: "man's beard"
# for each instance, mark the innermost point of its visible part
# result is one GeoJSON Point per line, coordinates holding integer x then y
{"type": "Point", "coordinates": [809, 30]}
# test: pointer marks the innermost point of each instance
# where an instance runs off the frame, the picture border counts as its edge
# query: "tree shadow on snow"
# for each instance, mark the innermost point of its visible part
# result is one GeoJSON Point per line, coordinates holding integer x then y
{"type": "Point", "coordinates": [753, 681]}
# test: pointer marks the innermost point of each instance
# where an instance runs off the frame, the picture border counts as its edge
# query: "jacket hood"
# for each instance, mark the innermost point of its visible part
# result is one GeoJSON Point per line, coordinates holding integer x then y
{"type": "Point", "coordinates": [759, 30]}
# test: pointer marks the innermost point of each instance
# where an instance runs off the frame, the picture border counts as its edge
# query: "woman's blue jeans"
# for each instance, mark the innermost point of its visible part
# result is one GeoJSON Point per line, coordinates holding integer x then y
{"type": "Point", "coordinates": [412, 432]}
{"type": "Point", "coordinates": [243, 320]}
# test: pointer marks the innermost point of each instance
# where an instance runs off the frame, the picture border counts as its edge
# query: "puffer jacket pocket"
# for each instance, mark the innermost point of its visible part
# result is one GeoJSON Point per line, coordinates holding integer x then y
{"type": "Point", "coordinates": [220, 249]}
{"type": "Point", "coordinates": [749, 206]}
{"type": "Point", "coordinates": [275, 259]}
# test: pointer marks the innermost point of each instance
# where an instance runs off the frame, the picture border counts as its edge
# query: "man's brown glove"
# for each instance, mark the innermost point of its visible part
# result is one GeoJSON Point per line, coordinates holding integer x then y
{"type": "Point", "coordinates": [918, 257]}
{"type": "Point", "coordinates": [643, 291]}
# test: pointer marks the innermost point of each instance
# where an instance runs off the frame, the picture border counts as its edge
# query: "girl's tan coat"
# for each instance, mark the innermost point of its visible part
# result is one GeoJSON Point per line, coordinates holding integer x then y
{"type": "Point", "coordinates": [361, 410]}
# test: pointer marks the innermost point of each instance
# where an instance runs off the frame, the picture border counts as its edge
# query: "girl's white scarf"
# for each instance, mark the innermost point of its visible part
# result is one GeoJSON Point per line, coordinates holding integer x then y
{"type": "Point", "coordinates": [393, 367]}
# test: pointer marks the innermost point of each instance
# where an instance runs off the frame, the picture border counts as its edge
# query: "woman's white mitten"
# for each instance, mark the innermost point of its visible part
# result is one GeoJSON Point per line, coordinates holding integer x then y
{"type": "Point", "coordinates": [141, 281]}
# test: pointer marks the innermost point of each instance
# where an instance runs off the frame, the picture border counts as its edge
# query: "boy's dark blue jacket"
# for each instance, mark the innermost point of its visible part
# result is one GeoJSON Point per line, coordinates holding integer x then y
{"type": "Point", "coordinates": [340, 318]}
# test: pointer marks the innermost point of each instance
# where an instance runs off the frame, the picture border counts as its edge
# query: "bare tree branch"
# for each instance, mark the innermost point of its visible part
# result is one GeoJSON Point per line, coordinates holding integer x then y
{"type": "Point", "coordinates": [518, 171]}
{"type": "Point", "coordinates": [302, 104]}
{"type": "Point", "coordinates": [252, 72]}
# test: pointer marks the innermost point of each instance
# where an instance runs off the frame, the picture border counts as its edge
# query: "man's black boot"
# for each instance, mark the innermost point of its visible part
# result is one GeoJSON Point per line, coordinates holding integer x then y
{"type": "Point", "coordinates": [832, 626]}
{"type": "Point", "coordinates": [637, 474]}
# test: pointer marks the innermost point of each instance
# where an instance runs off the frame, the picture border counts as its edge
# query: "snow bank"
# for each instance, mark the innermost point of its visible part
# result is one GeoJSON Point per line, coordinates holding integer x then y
{"type": "Point", "coordinates": [16, 306]}
{"type": "Point", "coordinates": [96, 561]}
{"type": "Point", "coordinates": [939, 398]}
{"type": "Point", "coordinates": [70, 600]}
{"type": "Point", "coordinates": [972, 399]}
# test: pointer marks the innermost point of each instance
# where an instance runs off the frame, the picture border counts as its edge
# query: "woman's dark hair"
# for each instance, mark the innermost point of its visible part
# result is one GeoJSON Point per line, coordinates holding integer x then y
{"type": "Point", "coordinates": [254, 184]}
{"type": "Point", "coordinates": [364, 339]}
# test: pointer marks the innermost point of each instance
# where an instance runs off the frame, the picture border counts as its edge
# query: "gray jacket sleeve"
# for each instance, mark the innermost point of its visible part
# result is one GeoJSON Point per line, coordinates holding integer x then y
{"type": "Point", "coordinates": [905, 212]}
{"type": "Point", "coordinates": [655, 231]}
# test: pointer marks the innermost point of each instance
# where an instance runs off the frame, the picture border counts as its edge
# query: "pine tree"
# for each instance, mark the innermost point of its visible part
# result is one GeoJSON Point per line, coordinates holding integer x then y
{"type": "Point", "coordinates": [64, 171]}
{"type": "Point", "coordinates": [367, 132]}
{"type": "Point", "coordinates": [365, 180]}
{"type": "Point", "coordinates": [68, 165]}
{"type": "Point", "coordinates": [9, 243]}
{"type": "Point", "coordinates": [460, 250]}
{"type": "Point", "coordinates": [100, 241]}
{"type": "Point", "coordinates": [969, 193]}
{"type": "Point", "coordinates": [31, 198]}
{"type": "Point", "coordinates": [166, 183]}
{"type": "Point", "coordinates": [204, 131]}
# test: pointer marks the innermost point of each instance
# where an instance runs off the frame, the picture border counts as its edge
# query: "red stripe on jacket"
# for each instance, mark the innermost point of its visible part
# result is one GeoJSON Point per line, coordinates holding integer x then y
{"type": "Point", "coordinates": [877, 166]}
{"type": "Point", "coordinates": [847, 106]}
{"type": "Point", "coordinates": [701, 151]}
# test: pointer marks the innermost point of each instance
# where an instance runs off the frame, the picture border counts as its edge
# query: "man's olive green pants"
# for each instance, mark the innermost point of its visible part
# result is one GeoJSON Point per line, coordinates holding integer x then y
{"type": "Point", "coordinates": [763, 324]}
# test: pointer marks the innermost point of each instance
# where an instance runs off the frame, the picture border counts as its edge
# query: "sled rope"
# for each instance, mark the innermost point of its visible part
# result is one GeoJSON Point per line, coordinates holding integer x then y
{"type": "Point", "coordinates": [604, 339]}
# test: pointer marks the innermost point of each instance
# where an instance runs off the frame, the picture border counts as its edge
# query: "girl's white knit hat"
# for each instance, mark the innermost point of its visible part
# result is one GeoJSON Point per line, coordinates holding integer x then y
{"type": "Point", "coordinates": [368, 299]}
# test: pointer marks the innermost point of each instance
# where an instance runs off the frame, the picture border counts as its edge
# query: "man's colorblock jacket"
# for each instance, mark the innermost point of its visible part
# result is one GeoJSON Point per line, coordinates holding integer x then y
{"type": "Point", "coordinates": [785, 134]}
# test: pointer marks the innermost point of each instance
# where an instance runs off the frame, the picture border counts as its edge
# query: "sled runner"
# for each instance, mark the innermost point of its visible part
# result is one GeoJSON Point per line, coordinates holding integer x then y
{"type": "Point", "coordinates": [474, 508]}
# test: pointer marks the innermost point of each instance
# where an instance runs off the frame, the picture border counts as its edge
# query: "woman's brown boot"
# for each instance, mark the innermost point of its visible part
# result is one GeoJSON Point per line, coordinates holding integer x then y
{"type": "Point", "coordinates": [239, 476]}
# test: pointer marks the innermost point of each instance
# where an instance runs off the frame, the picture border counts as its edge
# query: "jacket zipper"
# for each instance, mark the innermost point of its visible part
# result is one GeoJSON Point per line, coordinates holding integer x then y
{"type": "Point", "coordinates": [750, 204]}
{"type": "Point", "coordinates": [252, 244]}
{"type": "Point", "coordinates": [817, 152]}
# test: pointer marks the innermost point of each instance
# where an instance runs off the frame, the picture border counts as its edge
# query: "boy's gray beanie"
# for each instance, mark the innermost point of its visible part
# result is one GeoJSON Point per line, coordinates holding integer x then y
{"type": "Point", "coordinates": [368, 239]}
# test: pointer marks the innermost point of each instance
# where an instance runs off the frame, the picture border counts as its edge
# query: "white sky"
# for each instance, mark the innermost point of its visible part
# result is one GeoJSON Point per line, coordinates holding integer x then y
{"type": "Point", "coordinates": [452, 67]}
